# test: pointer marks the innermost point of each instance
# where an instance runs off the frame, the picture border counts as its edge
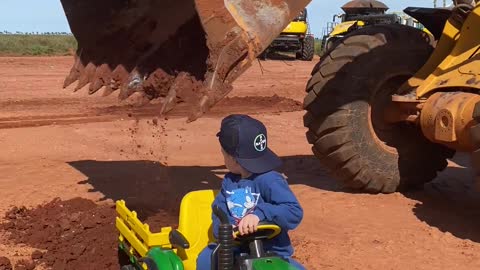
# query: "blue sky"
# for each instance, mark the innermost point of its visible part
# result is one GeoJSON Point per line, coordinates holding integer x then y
{"type": "Point", "coordinates": [48, 15]}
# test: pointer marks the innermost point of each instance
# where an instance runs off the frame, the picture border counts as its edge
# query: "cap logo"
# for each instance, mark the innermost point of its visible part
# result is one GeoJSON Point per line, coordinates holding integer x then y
{"type": "Point", "coordinates": [260, 143]}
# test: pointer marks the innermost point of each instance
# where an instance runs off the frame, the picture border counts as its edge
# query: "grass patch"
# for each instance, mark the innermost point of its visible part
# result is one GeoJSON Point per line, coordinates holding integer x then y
{"type": "Point", "coordinates": [36, 45]}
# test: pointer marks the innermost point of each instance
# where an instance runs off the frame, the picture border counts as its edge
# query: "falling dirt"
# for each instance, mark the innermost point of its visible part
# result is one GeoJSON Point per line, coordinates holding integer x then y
{"type": "Point", "coordinates": [76, 234]}
{"type": "Point", "coordinates": [147, 139]}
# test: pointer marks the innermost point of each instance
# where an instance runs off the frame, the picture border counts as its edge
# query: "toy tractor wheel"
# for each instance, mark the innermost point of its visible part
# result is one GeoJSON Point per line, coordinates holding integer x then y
{"type": "Point", "coordinates": [347, 94]}
{"type": "Point", "coordinates": [308, 48]}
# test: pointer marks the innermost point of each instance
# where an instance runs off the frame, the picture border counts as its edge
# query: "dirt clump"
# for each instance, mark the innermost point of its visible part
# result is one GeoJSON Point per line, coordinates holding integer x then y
{"type": "Point", "coordinates": [5, 264]}
{"type": "Point", "coordinates": [25, 265]}
{"type": "Point", "coordinates": [37, 254]}
{"type": "Point", "coordinates": [76, 234]}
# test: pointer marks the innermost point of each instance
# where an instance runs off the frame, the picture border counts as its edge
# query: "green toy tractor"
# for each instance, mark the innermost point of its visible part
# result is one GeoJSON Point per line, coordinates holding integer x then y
{"type": "Point", "coordinates": [178, 249]}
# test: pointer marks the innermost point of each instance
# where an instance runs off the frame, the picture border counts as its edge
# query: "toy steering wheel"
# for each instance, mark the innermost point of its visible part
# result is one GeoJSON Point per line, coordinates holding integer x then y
{"type": "Point", "coordinates": [264, 231]}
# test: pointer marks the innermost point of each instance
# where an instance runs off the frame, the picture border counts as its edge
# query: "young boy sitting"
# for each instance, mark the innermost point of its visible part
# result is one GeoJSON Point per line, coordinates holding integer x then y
{"type": "Point", "coordinates": [252, 192]}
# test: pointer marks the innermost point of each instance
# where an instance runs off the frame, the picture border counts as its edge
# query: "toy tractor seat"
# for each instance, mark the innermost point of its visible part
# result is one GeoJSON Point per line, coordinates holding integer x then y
{"type": "Point", "coordinates": [195, 221]}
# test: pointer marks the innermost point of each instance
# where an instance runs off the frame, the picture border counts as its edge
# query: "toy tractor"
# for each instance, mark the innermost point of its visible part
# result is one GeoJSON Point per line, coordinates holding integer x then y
{"type": "Point", "coordinates": [178, 249]}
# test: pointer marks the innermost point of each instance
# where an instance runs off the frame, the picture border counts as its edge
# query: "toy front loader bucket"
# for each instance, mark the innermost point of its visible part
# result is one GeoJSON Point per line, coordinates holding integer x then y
{"type": "Point", "coordinates": [171, 50]}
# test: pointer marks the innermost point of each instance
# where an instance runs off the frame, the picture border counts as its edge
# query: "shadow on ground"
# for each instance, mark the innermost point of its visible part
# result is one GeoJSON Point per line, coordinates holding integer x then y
{"type": "Point", "coordinates": [279, 56]}
{"type": "Point", "coordinates": [450, 203]}
{"type": "Point", "coordinates": [148, 186]}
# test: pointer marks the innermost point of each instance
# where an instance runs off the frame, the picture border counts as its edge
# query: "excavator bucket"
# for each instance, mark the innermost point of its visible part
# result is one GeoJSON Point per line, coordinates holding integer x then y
{"type": "Point", "coordinates": [173, 51]}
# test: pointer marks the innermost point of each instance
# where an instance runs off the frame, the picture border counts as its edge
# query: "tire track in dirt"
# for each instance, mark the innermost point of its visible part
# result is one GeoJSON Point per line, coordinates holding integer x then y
{"type": "Point", "coordinates": [247, 105]}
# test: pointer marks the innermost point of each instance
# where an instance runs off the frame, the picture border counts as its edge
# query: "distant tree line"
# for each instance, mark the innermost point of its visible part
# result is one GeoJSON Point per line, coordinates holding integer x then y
{"type": "Point", "coordinates": [5, 32]}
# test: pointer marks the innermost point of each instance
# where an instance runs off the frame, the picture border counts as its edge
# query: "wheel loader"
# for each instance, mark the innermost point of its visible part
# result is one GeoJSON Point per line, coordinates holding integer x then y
{"type": "Point", "coordinates": [358, 13]}
{"type": "Point", "coordinates": [385, 109]}
{"type": "Point", "coordinates": [296, 37]}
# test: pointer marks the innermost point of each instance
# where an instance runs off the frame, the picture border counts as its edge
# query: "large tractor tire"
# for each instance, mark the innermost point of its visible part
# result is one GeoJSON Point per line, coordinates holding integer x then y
{"type": "Point", "coordinates": [308, 48]}
{"type": "Point", "coordinates": [347, 93]}
{"type": "Point", "coordinates": [328, 45]}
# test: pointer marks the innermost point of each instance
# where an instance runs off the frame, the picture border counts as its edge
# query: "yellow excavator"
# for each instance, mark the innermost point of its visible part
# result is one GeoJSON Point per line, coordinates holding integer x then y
{"type": "Point", "coordinates": [385, 108]}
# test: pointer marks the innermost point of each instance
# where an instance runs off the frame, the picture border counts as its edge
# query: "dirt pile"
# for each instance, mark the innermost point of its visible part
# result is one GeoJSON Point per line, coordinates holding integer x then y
{"type": "Point", "coordinates": [303, 247]}
{"type": "Point", "coordinates": [76, 234]}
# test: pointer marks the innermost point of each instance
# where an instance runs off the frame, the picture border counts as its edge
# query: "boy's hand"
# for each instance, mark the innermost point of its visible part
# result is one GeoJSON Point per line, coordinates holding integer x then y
{"type": "Point", "coordinates": [248, 224]}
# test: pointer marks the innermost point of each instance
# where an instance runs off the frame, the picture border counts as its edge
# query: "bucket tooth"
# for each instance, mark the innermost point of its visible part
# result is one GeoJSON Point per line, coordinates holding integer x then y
{"type": "Point", "coordinates": [95, 86]}
{"type": "Point", "coordinates": [101, 78]}
{"type": "Point", "coordinates": [119, 77]}
{"type": "Point", "coordinates": [86, 76]}
{"type": "Point", "coordinates": [72, 77]}
{"type": "Point", "coordinates": [107, 90]}
{"type": "Point", "coordinates": [74, 72]}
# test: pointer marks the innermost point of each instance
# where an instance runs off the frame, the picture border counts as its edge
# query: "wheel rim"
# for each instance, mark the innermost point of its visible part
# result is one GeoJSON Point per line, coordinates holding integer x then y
{"type": "Point", "coordinates": [385, 134]}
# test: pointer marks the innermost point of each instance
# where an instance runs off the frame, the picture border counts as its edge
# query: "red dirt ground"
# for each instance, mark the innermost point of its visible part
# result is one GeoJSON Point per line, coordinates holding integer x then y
{"type": "Point", "coordinates": [76, 234]}
{"type": "Point", "coordinates": [55, 143]}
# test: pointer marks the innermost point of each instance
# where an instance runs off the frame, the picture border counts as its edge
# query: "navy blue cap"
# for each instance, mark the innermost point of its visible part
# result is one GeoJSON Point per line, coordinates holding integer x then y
{"type": "Point", "coordinates": [245, 139]}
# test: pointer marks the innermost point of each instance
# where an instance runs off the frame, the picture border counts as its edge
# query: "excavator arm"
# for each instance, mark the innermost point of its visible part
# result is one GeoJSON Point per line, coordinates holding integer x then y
{"type": "Point", "coordinates": [173, 51]}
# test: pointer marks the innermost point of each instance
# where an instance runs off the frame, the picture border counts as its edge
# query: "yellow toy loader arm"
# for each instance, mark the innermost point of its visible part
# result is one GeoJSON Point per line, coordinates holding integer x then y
{"type": "Point", "coordinates": [135, 235]}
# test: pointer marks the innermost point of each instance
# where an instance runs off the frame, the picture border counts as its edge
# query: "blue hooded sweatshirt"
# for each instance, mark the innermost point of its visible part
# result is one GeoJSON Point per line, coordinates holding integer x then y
{"type": "Point", "coordinates": [266, 195]}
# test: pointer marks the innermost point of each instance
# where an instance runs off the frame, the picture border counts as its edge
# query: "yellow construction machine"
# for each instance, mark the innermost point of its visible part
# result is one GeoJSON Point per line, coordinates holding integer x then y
{"type": "Point", "coordinates": [385, 108]}
{"type": "Point", "coordinates": [358, 13]}
{"type": "Point", "coordinates": [361, 13]}
{"type": "Point", "coordinates": [296, 37]}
